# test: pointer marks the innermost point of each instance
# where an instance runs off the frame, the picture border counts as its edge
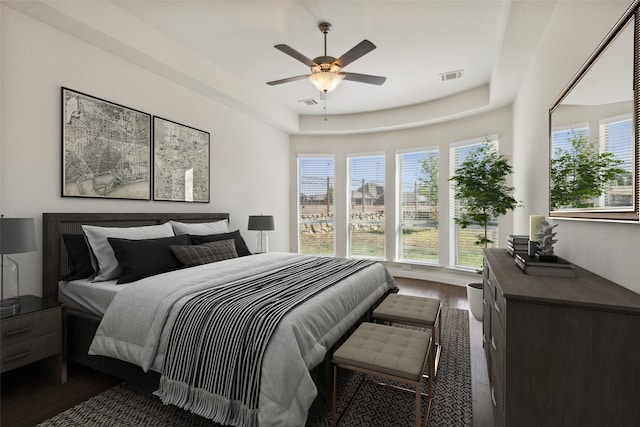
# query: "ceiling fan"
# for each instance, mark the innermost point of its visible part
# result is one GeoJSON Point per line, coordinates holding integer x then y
{"type": "Point", "coordinates": [326, 71]}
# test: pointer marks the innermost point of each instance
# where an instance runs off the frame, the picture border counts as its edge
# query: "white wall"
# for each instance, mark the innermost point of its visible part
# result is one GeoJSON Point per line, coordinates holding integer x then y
{"type": "Point", "coordinates": [572, 35]}
{"type": "Point", "coordinates": [249, 159]}
{"type": "Point", "coordinates": [441, 135]}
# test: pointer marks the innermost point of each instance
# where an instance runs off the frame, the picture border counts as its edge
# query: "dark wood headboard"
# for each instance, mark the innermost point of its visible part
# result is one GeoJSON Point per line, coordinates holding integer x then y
{"type": "Point", "coordinates": [55, 260]}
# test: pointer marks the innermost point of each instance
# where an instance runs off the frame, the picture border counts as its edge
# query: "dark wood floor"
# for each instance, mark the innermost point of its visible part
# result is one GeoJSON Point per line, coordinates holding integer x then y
{"type": "Point", "coordinates": [27, 399]}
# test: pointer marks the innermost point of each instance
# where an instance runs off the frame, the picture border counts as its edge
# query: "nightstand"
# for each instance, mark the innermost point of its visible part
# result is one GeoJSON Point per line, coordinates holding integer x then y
{"type": "Point", "coordinates": [36, 334]}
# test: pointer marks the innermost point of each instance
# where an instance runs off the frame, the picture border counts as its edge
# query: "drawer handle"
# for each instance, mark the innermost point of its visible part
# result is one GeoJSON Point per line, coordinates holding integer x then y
{"type": "Point", "coordinates": [17, 356]}
{"type": "Point", "coordinates": [17, 332]}
{"type": "Point", "coordinates": [493, 396]}
{"type": "Point", "coordinates": [484, 301]}
{"type": "Point", "coordinates": [493, 343]}
{"type": "Point", "coordinates": [495, 304]}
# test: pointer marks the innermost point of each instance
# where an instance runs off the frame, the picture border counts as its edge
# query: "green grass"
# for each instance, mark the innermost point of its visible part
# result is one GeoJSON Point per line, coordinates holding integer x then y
{"type": "Point", "coordinates": [317, 244]}
{"type": "Point", "coordinates": [419, 245]}
{"type": "Point", "coordinates": [367, 244]}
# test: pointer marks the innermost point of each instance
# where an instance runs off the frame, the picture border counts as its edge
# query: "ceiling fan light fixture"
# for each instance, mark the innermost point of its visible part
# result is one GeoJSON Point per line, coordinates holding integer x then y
{"type": "Point", "coordinates": [325, 81]}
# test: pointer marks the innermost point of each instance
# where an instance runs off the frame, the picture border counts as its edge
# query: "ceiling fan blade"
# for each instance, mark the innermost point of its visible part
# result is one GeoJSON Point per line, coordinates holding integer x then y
{"type": "Point", "coordinates": [364, 78]}
{"type": "Point", "coordinates": [287, 80]}
{"type": "Point", "coordinates": [295, 54]}
{"type": "Point", "coordinates": [362, 48]}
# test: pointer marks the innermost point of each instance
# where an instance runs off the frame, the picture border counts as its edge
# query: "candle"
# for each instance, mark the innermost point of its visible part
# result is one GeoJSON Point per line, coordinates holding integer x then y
{"type": "Point", "coordinates": [535, 221]}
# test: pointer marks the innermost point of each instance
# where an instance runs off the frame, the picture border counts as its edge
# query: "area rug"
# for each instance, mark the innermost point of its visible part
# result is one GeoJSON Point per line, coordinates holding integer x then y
{"type": "Point", "coordinates": [130, 405]}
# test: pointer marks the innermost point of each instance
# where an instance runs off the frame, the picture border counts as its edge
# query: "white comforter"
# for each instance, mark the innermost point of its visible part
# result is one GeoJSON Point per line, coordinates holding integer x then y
{"type": "Point", "coordinates": [136, 326]}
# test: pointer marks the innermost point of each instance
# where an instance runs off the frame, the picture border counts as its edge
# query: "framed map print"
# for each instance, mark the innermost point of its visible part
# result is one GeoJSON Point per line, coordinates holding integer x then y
{"type": "Point", "coordinates": [180, 162]}
{"type": "Point", "coordinates": [106, 149]}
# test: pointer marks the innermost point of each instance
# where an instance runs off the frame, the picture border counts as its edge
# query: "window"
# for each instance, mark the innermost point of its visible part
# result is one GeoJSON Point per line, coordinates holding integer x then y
{"type": "Point", "coordinates": [562, 137]}
{"type": "Point", "coordinates": [593, 169]}
{"type": "Point", "coordinates": [366, 207]}
{"type": "Point", "coordinates": [417, 208]}
{"type": "Point", "coordinates": [464, 247]}
{"type": "Point", "coordinates": [616, 136]}
{"type": "Point", "coordinates": [316, 219]}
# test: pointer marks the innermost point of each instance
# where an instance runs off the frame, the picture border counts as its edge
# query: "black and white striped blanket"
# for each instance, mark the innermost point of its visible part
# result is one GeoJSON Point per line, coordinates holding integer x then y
{"type": "Point", "coordinates": [214, 356]}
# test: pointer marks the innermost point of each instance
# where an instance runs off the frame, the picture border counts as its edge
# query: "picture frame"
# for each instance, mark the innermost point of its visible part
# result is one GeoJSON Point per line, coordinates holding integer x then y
{"type": "Point", "coordinates": [106, 149]}
{"type": "Point", "coordinates": [181, 162]}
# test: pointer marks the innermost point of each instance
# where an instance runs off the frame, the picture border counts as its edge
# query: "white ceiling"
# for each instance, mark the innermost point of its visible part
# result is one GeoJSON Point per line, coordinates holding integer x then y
{"type": "Point", "coordinates": [492, 41]}
{"type": "Point", "coordinates": [225, 50]}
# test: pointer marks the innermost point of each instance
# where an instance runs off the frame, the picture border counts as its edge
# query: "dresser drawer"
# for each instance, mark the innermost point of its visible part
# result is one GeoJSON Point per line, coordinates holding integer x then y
{"type": "Point", "coordinates": [487, 308]}
{"type": "Point", "coordinates": [27, 327]}
{"type": "Point", "coordinates": [499, 308]}
{"type": "Point", "coordinates": [24, 352]}
{"type": "Point", "coordinates": [498, 405]}
{"type": "Point", "coordinates": [497, 349]}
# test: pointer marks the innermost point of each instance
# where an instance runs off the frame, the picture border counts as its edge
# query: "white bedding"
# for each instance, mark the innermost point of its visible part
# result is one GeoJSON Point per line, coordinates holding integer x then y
{"type": "Point", "coordinates": [87, 296]}
{"type": "Point", "coordinates": [136, 326]}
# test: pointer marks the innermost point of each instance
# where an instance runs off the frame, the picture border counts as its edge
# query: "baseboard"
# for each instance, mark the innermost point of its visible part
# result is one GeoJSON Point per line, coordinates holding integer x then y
{"type": "Point", "coordinates": [434, 276]}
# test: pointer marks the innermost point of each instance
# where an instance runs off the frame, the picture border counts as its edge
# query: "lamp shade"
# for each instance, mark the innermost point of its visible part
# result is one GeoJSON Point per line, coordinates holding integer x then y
{"type": "Point", "coordinates": [17, 235]}
{"type": "Point", "coordinates": [261, 223]}
{"type": "Point", "coordinates": [326, 81]}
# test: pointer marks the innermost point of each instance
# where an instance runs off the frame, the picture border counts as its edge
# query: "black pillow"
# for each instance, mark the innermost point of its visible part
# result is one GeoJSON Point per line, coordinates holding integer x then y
{"type": "Point", "coordinates": [79, 256]}
{"type": "Point", "coordinates": [241, 246]}
{"type": "Point", "coordinates": [146, 257]}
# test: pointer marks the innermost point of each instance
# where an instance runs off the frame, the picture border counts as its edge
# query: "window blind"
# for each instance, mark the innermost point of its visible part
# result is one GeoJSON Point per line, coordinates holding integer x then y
{"type": "Point", "coordinates": [417, 189]}
{"type": "Point", "coordinates": [561, 137]}
{"type": "Point", "coordinates": [316, 214]}
{"type": "Point", "coordinates": [464, 249]}
{"type": "Point", "coordinates": [616, 136]}
{"type": "Point", "coordinates": [366, 208]}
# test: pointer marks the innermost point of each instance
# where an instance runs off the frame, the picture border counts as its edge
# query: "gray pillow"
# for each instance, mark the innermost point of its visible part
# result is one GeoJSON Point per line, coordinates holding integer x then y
{"type": "Point", "coordinates": [200, 228]}
{"type": "Point", "coordinates": [108, 266]}
{"type": "Point", "coordinates": [205, 253]}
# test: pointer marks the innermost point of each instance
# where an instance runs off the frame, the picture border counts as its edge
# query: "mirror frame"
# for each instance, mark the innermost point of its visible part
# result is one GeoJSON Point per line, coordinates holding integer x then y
{"type": "Point", "coordinates": [603, 214]}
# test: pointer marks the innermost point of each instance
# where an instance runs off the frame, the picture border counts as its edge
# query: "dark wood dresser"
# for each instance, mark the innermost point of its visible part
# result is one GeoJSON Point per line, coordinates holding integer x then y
{"type": "Point", "coordinates": [560, 351]}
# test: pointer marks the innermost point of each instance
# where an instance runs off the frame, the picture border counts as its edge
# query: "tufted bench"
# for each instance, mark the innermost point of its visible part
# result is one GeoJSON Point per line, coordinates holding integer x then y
{"type": "Point", "coordinates": [386, 352]}
{"type": "Point", "coordinates": [416, 311]}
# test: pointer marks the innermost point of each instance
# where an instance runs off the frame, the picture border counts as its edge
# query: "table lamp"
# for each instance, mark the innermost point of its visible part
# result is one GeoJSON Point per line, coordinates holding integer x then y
{"type": "Point", "coordinates": [261, 223]}
{"type": "Point", "coordinates": [17, 235]}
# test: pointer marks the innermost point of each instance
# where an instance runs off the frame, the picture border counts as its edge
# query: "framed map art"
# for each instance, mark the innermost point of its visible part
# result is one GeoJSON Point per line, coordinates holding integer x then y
{"type": "Point", "coordinates": [181, 162]}
{"type": "Point", "coordinates": [106, 149]}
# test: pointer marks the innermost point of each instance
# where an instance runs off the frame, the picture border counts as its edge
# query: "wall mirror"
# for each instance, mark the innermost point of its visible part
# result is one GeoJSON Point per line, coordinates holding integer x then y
{"type": "Point", "coordinates": [593, 132]}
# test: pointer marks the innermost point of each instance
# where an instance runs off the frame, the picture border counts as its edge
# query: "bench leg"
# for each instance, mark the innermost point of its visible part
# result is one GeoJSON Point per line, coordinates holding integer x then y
{"type": "Point", "coordinates": [333, 396]}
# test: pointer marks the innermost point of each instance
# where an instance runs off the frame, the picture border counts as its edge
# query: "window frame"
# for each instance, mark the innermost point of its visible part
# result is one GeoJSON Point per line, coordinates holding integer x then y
{"type": "Point", "coordinates": [348, 158]}
{"type": "Point", "coordinates": [454, 203]}
{"type": "Point", "coordinates": [398, 205]}
{"type": "Point", "coordinates": [300, 157]}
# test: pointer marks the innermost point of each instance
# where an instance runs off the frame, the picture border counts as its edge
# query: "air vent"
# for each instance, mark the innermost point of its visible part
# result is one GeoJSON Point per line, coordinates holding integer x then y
{"type": "Point", "coordinates": [309, 101]}
{"type": "Point", "coordinates": [452, 75]}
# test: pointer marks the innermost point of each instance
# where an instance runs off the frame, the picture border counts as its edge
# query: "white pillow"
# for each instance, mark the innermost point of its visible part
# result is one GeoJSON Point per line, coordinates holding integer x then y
{"type": "Point", "coordinates": [201, 228]}
{"type": "Point", "coordinates": [108, 266]}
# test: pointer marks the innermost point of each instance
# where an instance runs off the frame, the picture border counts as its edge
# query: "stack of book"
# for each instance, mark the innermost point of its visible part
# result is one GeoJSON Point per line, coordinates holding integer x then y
{"type": "Point", "coordinates": [531, 265]}
{"type": "Point", "coordinates": [517, 244]}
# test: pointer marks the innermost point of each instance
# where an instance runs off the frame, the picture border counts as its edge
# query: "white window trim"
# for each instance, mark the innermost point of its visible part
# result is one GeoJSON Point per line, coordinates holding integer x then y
{"type": "Point", "coordinates": [398, 247]}
{"type": "Point", "coordinates": [298, 213]}
{"type": "Point", "coordinates": [348, 157]}
{"type": "Point", "coordinates": [453, 262]}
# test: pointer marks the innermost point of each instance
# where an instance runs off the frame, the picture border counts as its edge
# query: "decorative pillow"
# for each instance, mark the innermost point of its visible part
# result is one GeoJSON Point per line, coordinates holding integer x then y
{"type": "Point", "coordinates": [200, 228]}
{"type": "Point", "coordinates": [143, 258]}
{"type": "Point", "coordinates": [206, 253]}
{"type": "Point", "coordinates": [79, 255]}
{"type": "Point", "coordinates": [108, 267]}
{"type": "Point", "coordinates": [241, 246]}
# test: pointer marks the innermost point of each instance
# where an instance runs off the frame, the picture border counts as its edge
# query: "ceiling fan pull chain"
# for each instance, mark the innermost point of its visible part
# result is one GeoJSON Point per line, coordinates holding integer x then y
{"type": "Point", "coordinates": [325, 107]}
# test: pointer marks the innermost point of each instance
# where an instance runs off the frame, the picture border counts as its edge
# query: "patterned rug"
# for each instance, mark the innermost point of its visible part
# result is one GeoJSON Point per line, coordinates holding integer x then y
{"type": "Point", "coordinates": [130, 405]}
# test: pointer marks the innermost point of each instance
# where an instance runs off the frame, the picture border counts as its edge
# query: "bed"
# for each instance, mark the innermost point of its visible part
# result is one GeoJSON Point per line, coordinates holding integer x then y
{"type": "Point", "coordinates": [294, 361]}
